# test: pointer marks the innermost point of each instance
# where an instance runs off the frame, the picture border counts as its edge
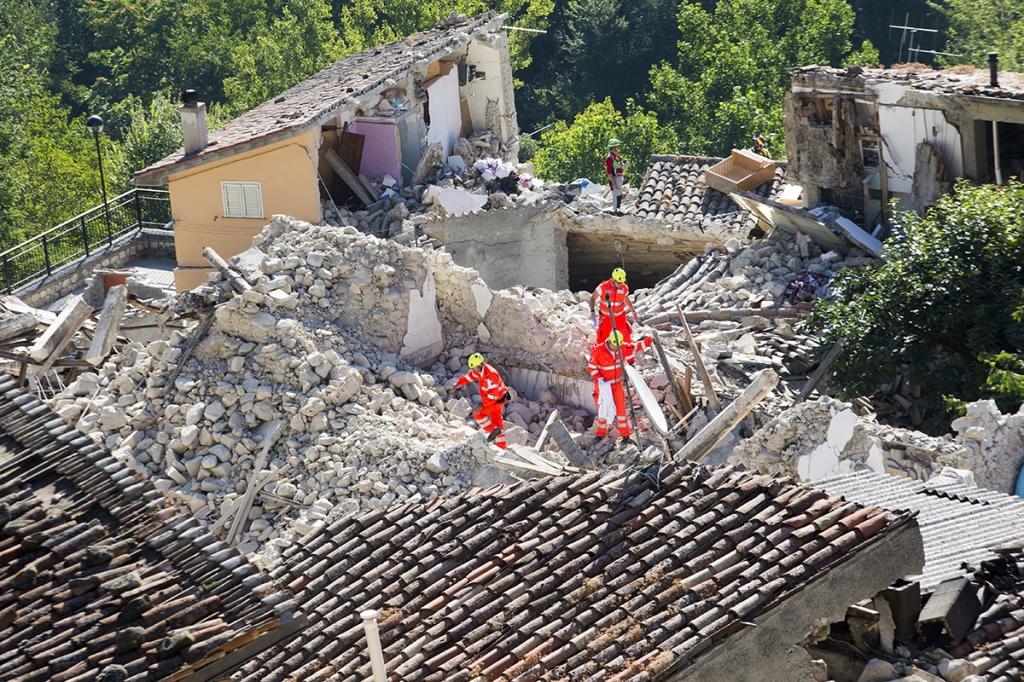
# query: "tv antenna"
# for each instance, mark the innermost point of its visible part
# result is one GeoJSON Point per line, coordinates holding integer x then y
{"type": "Point", "coordinates": [909, 34]}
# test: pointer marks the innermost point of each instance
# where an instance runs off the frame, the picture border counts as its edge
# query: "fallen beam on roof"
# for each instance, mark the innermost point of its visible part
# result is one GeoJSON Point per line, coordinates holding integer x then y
{"type": "Point", "coordinates": [707, 438]}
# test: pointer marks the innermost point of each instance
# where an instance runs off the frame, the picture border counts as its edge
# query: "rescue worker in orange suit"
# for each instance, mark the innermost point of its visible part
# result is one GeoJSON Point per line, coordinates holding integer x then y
{"type": "Point", "coordinates": [612, 299]}
{"type": "Point", "coordinates": [609, 395]}
{"type": "Point", "coordinates": [494, 395]}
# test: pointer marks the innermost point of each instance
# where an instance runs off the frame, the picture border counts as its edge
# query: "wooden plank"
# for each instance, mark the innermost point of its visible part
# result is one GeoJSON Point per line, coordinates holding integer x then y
{"type": "Point", "coordinates": [544, 432]}
{"type": "Point", "coordinates": [670, 374]}
{"type": "Point", "coordinates": [819, 374]}
{"type": "Point", "coordinates": [18, 325]}
{"type": "Point", "coordinates": [707, 438]}
{"type": "Point", "coordinates": [218, 669]}
{"type": "Point", "coordinates": [528, 455]}
{"type": "Point", "coordinates": [705, 378]}
{"type": "Point", "coordinates": [233, 277]}
{"type": "Point", "coordinates": [348, 177]}
{"type": "Point", "coordinates": [350, 148]}
{"type": "Point", "coordinates": [74, 324]}
{"type": "Point", "coordinates": [519, 464]}
{"type": "Point", "coordinates": [271, 431]}
{"type": "Point", "coordinates": [566, 444]}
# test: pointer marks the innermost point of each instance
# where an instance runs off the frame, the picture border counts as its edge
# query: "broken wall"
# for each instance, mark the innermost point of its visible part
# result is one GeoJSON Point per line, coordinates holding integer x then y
{"type": "Point", "coordinates": [536, 329]}
{"type": "Point", "coordinates": [823, 438]}
{"type": "Point", "coordinates": [489, 54]}
{"type": "Point", "coordinates": [995, 444]}
{"type": "Point", "coordinates": [821, 147]}
{"type": "Point", "coordinates": [509, 247]}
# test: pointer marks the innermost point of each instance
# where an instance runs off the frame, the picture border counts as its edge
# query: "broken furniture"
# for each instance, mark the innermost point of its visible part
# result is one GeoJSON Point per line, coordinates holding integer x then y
{"type": "Point", "coordinates": [742, 170]}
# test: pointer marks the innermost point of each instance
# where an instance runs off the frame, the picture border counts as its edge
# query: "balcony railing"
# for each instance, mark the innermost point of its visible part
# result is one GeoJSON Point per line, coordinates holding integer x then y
{"type": "Point", "coordinates": [83, 235]}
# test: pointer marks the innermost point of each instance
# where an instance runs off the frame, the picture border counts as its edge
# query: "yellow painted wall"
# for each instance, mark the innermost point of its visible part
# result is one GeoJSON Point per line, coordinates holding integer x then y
{"type": "Point", "coordinates": [288, 184]}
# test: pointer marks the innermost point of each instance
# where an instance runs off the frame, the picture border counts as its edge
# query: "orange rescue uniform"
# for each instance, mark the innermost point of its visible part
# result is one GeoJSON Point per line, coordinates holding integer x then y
{"type": "Point", "coordinates": [604, 364]}
{"type": "Point", "coordinates": [612, 306]}
{"type": "Point", "coordinates": [493, 394]}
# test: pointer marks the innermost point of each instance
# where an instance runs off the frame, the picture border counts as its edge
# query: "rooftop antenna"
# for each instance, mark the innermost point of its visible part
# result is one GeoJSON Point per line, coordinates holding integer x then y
{"type": "Point", "coordinates": [913, 33]}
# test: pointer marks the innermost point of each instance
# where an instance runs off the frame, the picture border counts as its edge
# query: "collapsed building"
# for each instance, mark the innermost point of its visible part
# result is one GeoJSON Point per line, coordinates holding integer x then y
{"type": "Point", "coordinates": [287, 410]}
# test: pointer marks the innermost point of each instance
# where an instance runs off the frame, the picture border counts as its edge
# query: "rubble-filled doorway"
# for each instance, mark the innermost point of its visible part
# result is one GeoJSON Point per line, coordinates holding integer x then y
{"type": "Point", "coordinates": [592, 259]}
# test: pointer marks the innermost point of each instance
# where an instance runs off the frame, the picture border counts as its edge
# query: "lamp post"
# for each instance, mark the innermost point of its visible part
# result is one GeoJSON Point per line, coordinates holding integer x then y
{"type": "Point", "coordinates": [95, 124]}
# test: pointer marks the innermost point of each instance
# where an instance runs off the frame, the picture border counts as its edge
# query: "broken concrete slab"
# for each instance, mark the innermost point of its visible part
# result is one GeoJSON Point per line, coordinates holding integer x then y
{"type": "Point", "coordinates": [459, 202]}
{"type": "Point", "coordinates": [17, 325]}
{"type": "Point", "coordinates": [108, 326]}
{"type": "Point", "coordinates": [69, 320]}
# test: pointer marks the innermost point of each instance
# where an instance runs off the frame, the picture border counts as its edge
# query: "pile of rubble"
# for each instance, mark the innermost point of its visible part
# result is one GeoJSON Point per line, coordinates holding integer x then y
{"type": "Point", "coordinates": [324, 337]}
{"type": "Point", "coordinates": [825, 437]}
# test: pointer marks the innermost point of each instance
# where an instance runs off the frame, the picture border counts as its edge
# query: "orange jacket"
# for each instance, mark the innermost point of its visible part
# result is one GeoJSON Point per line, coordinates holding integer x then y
{"type": "Point", "coordinates": [617, 293]}
{"type": "Point", "coordinates": [604, 363]}
{"type": "Point", "coordinates": [492, 388]}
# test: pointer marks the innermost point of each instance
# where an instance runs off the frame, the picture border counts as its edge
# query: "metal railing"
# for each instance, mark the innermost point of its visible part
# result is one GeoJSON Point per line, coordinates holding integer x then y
{"type": "Point", "coordinates": [83, 235]}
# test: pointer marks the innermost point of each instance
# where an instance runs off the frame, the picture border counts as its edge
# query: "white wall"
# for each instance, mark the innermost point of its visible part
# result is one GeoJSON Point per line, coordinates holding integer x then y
{"type": "Point", "coordinates": [903, 128]}
{"type": "Point", "coordinates": [445, 111]}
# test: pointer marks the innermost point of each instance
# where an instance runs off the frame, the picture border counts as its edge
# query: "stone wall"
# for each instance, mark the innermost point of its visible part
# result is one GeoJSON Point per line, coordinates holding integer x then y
{"type": "Point", "coordinates": [995, 444]}
{"type": "Point", "coordinates": [146, 243]}
{"type": "Point", "coordinates": [509, 247]}
{"type": "Point", "coordinates": [822, 438]}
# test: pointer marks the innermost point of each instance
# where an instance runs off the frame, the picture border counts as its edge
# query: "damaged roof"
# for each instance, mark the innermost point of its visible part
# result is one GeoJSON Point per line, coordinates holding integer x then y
{"type": "Point", "coordinates": [322, 94]}
{"type": "Point", "coordinates": [612, 577]}
{"type": "Point", "coordinates": [674, 191]}
{"type": "Point", "coordinates": [98, 574]}
{"type": "Point", "coordinates": [959, 524]}
{"type": "Point", "coordinates": [956, 80]}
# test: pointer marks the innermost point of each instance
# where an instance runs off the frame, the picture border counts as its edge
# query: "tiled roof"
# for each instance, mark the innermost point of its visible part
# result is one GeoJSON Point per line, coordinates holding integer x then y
{"type": "Point", "coordinates": [957, 80]}
{"type": "Point", "coordinates": [595, 577]}
{"type": "Point", "coordinates": [958, 524]}
{"type": "Point", "coordinates": [996, 645]}
{"type": "Point", "coordinates": [674, 191]}
{"type": "Point", "coordinates": [96, 571]}
{"type": "Point", "coordinates": [317, 97]}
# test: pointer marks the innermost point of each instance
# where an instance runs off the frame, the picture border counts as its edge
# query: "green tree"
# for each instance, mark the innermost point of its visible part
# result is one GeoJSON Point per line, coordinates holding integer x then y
{"type": "Point", "coordinates": [947, 301]}
{"type": "Point", "coordinates": [977, 27]}
{"type": "Point", "coordinates": [293, 47]}
{"type": "Point", "coordinates": [150, 133]}
{"type": "Point", "coordinates": [731, 78]}
{"type": "Point", "coordinates": [579, 150]}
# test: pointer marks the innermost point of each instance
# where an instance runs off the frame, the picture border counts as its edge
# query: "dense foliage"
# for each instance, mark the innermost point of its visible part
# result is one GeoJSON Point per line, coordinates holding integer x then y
{"type": "Point", "coordinates": [948, 301]}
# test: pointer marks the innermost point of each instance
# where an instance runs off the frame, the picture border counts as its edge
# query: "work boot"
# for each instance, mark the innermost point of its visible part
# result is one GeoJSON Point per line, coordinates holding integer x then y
{"type": "Point", "coordinates": [494, 434]}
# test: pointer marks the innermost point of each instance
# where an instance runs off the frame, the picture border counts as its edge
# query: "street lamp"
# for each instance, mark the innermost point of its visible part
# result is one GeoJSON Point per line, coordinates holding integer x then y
{"type": "Point", "coordinates": [95, 124]}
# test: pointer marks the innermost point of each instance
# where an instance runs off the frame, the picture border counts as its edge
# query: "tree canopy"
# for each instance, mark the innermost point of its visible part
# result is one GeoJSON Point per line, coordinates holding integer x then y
{"type": "Point", "coordinates": [947, 302]}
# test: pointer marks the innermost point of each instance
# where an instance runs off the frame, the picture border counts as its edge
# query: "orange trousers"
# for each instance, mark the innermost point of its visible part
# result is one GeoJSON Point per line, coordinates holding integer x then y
{"type": "Point", "coordinates": [621, 420]}
{"type": "Point", "coordinates": [491, 417]}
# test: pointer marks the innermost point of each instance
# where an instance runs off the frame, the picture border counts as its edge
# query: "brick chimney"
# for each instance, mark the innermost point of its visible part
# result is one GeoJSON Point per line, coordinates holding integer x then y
{"type": "Point", "coordinates": [193, 122]}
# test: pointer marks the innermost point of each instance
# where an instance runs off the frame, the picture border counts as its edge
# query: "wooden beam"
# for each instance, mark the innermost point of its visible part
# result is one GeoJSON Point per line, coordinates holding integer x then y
{"type": "Point", "coordinates": [708, 437]}
{"type": "Point", "coordinates": [705, 377]}
{"type": "Point", "coordinates": [670, 374]}
{"type": "Point", "coordinates": [272, 431]}
{"type": "Point", "coordinates": [348, 177]}
{"type": "Point", "coordinates": [566, 444]}
{"type": "Point", "coordinates": [819, 374]}
{"type": "Point", "coordinates": [236, 280]}
{"type": "Point", "coordinates": [544, 432]}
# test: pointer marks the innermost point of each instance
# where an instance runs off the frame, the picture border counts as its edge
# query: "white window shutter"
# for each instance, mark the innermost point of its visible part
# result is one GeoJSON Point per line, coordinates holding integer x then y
{"type": "Point", "coordinates": [234, 203]}
{"type": "Point", "coordinates": [253, 200]}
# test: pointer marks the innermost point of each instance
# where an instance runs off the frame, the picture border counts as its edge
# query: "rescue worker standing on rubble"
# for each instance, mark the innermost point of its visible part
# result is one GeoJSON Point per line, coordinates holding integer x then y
{"type": "Point", "coordinates": [605, 367]}
{"type": "Point", "coordinates": [614, 167]}
{"type": "Point", "coordinates": [612, 299]}
{"type": "Point", "coordinates": [494, 394]}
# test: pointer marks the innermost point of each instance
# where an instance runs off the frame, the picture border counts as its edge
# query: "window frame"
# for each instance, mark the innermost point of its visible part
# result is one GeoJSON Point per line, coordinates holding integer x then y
{"type": "Point", "coordinates": [224, 184]}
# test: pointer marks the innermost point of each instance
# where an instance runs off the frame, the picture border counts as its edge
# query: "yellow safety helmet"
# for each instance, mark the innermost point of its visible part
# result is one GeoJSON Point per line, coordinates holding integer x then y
{"type": "Point", "coordinates": [619, 275]}
{"type": "Point", "coordinates": [615, 338]}
{"type": "Point", "coordinates": [475, 360]}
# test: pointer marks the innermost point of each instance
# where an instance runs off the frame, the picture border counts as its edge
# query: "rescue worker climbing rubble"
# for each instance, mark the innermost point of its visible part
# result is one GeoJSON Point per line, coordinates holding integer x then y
{"type": "Point", "coordinates": [606, 369]}
{"type": "Point", "coordinates": [612, 299]}
{"type": "Point", "coordinates": [493, 393]}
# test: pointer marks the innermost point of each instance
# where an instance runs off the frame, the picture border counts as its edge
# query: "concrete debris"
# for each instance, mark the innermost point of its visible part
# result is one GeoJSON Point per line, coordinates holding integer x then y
{"type": "Point", "coordinates": [824, 437]}
{"type": "Point", "coordinates": [346, 338]}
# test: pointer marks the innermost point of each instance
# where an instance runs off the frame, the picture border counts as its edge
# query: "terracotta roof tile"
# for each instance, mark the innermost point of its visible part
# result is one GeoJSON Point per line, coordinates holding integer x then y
{"type": "Point", "coordinates": [105, 573]}
{"type": "Point", "coordinates": [674, 191]}
{"type": "Point", "coordinates": [576, 596]}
